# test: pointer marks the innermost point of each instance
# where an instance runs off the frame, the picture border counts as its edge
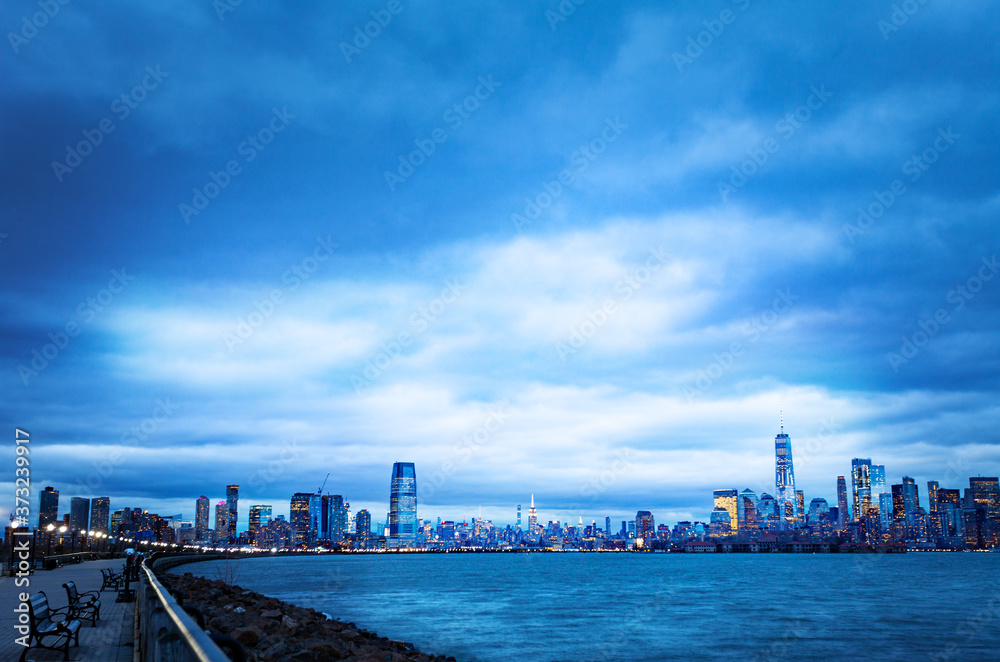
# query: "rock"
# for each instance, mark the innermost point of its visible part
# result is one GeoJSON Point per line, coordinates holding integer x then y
{"type": "Point", "coordinates": [271, 613]}
{"type": "Point", "coordinates": [289, 622]}
{"type": "Point", "coordinates": [239, 610]}
{"type": "Point", "coordinates": [248, 637]}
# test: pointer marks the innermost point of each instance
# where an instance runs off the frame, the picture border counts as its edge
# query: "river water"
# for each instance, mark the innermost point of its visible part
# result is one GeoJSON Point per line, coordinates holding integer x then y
{"type": "Point", "coordinates": [573, 606]}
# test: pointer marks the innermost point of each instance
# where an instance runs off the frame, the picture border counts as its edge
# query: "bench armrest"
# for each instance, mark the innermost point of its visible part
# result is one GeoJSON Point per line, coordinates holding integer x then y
{"type": "Point", "coordinates": [89, 595]}
{"type": "Point", "coordinates": [56, 612]}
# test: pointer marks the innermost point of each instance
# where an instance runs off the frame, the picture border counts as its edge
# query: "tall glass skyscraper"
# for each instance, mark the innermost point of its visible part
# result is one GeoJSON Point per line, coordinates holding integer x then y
{"type": "Point", "coordinates": [784, 479]}
{"type": "Point", "coordinates": [79, 514]}
{"type": "Point", "coordinates": [403, 502]}
{"type": "Point", "coordinates": [201, 508]}
{"type": "Point", "coordinates": [100, 511]}
{"type": "Point", "coordinates": [48, 507]}
{"type": "Point", "coordinates": [726, 500]}
{"type": "Point", "coordinates": [232, 500]}
{"type": "Point", "coordinates": [841, 503]}
{"type": "Point", "coordinates": [861, 487]}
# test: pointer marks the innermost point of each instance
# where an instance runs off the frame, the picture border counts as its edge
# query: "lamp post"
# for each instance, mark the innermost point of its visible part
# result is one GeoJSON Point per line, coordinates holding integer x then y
{"type": "Point", "coordinates": [48, 530]}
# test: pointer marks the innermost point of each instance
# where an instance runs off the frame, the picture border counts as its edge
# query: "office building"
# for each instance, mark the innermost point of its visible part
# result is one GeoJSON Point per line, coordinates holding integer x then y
{"type": "Point", "coordinates": [363, 528]}
{"type": "Point", "coordinates": [842, 511]}
{"type": "Point", "coordinates": [861, 487]}
{"type": "Point", "coordinates": [336, 514]}
{"type": "Point", "coordinates": [746, 511]}
{"type": "Point", "coordinates": [201, 508]}
{"type": "Point", "coordinates": [260, 517]}
{"type": "Point", "coordinates": [232, 500]}
{"type": "Point", "coordinates": [932, 496]}
{"type": "Point", "coordinates": [305, 512]}
{"type": "Point", "coordinates": [911, 499]}
{"type": "Point", "coordinates": [645, 527]}
{"type": "Point", "coordinates": [48, 507]}
{"type": "Point", "coordinates": [986, 493]}
{"type": "Point", "coordinates": [100, 512]}
{"type": "Point", "coordinates": [784, 480]}
{"type": "Point", "coordinates": [403, 503]}
{"type": "Point", "coordinates": [79, 514]}
{"type": "Point", "coordinates": [222, 522]}
{"type": "Point", "coordinates": [727, 500]}
{"type": "Point", "coordinates": [532, 517]}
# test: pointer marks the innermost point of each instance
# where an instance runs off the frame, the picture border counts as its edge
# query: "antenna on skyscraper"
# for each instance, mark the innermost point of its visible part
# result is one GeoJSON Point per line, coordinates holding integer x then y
{"type": "Point", "coordinates": [781, 416]}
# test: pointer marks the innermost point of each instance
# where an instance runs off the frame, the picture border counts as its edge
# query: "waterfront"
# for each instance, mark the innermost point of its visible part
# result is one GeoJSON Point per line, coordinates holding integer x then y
{"type": "Point", "coordinates": [549, 607]}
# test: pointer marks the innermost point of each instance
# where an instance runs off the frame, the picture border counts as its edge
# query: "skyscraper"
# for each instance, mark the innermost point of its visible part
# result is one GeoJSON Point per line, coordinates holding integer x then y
{"type": "Point", "coordinates": [304, 515]}
{"type": "Point", "coordinates": [403, 502]}
{"type": "Point", "coordinates": [100, 511]}
{"type": "Point", "coordinates": [726, 499]}
{"type": "Point", "coordinates": [337, 516]}
{"type": "Point", "coordinates": [911, 498]}
{"type": "Point", "coordinates": [363, 528]}
{"type": "Point", "coordinates": [861, 487]}
{"type": "Point", "coordinates": [201, 508]}
{"type": "Point", "coordinates": [842, 511]}
{"type": "Point", "coordinates": [532, 517]}
{"type": "Point", "coordinates": [222, 522]}
{"type": "Point", "coordinates": [784, 479]}
{"type": "Point", "coordinates": [260, 516]}
{"type": "Point", "coordinates": [645, 528]}
{"type": "Point", "coordinates": [986, 493]}
{"type": "Point", "coordinates": [48, 507]}
{"type": "Point", "coordinates": [746, 511]}
{"type": "Point", "coordinates": [79, 514]}
{"type": "Point", "coordinates": [932, 496]}
{"type": "Point", "coordinates": [800, 505]}
{"type": "Point", "coordinates": [518, 517]}
{"type": "Point", "coordinates": [232, 500]}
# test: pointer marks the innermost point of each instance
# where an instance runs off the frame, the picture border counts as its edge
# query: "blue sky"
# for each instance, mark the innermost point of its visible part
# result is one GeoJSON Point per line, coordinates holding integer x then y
{"type": "Point", "coordinates": [589, 259]}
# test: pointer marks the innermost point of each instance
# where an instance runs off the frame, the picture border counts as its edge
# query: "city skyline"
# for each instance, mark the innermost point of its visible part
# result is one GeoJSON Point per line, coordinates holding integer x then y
{"type": "Point", "coordinates": [591, 266]}
{"type": "Point", "coordinates": [869, 488]}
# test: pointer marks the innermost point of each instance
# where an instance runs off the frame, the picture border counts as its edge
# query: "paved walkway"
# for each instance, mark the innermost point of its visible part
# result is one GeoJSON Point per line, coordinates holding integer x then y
{"type": "Point", "coordinates": [110, 641]}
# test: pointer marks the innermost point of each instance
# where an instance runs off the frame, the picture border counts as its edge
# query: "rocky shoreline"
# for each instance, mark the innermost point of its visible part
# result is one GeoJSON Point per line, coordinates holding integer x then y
{"type": "Point", "coordinates": [274, 631]}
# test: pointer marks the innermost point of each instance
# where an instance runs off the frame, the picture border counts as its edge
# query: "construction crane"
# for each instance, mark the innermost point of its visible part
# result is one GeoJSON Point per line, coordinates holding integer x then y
{"type": "Point", "coordinates": [320, 490]}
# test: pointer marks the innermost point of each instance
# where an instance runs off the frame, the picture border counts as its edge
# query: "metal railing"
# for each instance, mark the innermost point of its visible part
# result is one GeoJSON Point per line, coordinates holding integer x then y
{"type": "Point", "coordinates": [165, 632]}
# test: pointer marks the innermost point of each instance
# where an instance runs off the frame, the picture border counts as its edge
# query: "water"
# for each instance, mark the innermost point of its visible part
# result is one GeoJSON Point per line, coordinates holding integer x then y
{"type": "Point", "coordinates": [554, 607]}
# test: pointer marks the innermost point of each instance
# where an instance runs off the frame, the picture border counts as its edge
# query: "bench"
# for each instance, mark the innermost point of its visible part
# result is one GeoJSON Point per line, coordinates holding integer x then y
{"type": "Point", "coordinates": [61, 631]}
{"type": "Point", "coordinates": [83, 606]}
{"type": "Point", "coordinates": [111, 581]}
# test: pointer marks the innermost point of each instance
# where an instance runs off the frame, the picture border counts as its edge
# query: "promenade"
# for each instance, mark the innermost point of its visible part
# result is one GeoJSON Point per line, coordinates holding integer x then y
{"type": "Point", "coordinates": [110, 641]}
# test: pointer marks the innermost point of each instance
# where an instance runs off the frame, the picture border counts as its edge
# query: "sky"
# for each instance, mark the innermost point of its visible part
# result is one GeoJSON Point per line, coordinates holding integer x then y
{"type": "Point", "coordinates": [594, 252]}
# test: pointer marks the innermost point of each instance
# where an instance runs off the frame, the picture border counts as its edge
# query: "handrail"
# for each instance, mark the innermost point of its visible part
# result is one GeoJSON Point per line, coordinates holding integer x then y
{"type": "Point", "coordinates": [166, 631]}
